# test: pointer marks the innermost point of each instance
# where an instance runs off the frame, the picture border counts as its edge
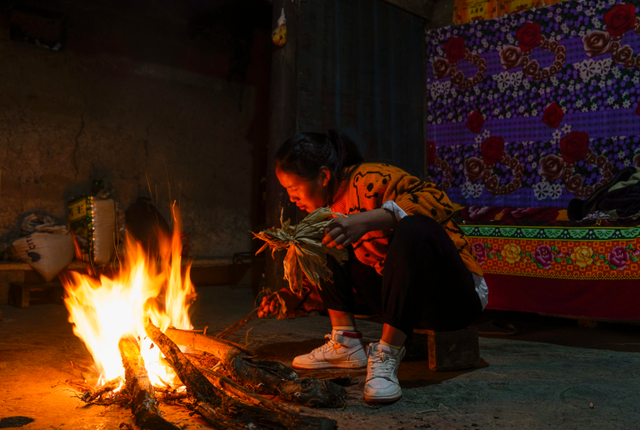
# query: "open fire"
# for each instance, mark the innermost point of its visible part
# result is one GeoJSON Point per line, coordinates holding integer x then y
{"type": "Point", "coordinates": [105, 310]}
{"type": "Point", "coordinates": [134, 323]}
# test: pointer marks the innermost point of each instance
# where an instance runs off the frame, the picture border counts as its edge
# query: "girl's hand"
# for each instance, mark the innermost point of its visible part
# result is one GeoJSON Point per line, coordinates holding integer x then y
{"type": "Point", "coordinates": [270, 306]}
{"type": "Point", "coordinates": [343, 232]}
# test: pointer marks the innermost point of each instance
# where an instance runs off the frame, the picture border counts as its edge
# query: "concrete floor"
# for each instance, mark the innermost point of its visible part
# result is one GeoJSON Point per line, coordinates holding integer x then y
{"type": "Point", "coordinates": [547, 376]}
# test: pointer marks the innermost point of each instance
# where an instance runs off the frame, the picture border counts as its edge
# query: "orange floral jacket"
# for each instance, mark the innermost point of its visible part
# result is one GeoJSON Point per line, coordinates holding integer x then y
{"type": "Point", "coordinates": [369, 185]}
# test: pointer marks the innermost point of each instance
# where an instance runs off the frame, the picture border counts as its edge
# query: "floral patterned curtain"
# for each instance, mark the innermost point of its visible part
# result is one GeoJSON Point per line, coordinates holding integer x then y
{"type": "Point", "coordinates": [535, 108]}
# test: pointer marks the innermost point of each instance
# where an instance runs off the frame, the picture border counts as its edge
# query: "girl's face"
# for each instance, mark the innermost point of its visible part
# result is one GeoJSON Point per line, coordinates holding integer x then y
{"type": "Point", "coordinates": [307, 195]}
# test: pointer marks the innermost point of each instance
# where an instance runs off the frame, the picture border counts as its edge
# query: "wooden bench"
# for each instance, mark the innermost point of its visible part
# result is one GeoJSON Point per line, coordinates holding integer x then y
{"type": "Point", "coordinates": [445, 350]}
{"type": "Point", "coordinates": [13, 272]}
{"type": "Point", "coordinates": [22, 295]}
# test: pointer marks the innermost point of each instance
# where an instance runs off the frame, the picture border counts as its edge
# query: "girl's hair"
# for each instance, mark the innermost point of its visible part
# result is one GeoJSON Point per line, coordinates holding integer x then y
{"type": "Point", "coordinates": [305, 154]}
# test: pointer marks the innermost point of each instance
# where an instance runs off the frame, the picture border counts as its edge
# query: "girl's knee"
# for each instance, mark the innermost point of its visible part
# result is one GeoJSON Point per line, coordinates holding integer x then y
{"type": "Point", "coordinates": [419, 226]}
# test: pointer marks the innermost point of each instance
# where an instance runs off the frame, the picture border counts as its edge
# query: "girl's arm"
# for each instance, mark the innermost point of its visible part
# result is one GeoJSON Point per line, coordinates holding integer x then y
{"type": "Point", "coordinates": [343, 232]}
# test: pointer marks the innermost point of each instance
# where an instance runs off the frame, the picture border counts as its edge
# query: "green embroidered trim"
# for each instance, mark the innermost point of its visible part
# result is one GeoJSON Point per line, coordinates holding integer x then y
{"type": "Point", "coordinates": [558, 233]}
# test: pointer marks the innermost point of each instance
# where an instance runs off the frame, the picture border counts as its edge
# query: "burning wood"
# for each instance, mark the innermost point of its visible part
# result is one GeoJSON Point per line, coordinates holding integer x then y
{"type": "Point", "coordinates": [121, 321]}
{"type": "Point", "coordinates": [91, 396]}
{"type": "Point", "coordinates": [267, 377]}
{"type": "Point", "coordinates": [224, 403]}
{"type": "Point", "coordinates": [221, 409]}
{"type": "Point", "coordinates": [143, 402]}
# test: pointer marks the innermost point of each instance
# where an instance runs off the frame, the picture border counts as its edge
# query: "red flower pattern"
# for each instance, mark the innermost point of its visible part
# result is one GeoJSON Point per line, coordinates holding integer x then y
{"type": "Point", "coordinates": [454, 49]}
{"type": "Point", "coordinates": [492, 150]}
{"type": "Point", "coordinates": [620, 19]}
{"type": "Point", "coordinates": [475, 121]}
{"type": "Point", "coordinates": [529, 36]}
{"type": "Point", "coordinates": [553, 115]}
{"type": "Point", "coordinates": [431, 153]}
{"type": "Point", "coordinates": [574, 146]}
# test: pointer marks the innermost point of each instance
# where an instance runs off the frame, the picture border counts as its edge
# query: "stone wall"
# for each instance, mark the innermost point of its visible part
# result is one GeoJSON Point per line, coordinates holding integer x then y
{"type": "Point", "coordinates": [164, 100]}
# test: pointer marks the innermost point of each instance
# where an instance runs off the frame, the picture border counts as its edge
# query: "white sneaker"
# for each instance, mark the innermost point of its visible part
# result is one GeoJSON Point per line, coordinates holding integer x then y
{"type": "Point", "coordinates": [343, 350]}
{"type": "Point", "coordinates": [382, 374]}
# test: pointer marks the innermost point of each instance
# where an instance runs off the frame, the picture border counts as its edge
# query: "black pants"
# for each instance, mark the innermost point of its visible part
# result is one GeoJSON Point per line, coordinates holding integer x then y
{"type": "Point", "coordinates": [425, 283]}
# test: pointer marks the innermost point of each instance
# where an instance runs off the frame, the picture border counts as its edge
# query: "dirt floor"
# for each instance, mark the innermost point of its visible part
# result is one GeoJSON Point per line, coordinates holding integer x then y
{"type": "Point", "coordinates": [552, 374]}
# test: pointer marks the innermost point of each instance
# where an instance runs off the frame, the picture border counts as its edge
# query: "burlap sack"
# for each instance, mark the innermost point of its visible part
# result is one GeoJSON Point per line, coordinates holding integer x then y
{"type": "Point", "coordinates": [48, 253]}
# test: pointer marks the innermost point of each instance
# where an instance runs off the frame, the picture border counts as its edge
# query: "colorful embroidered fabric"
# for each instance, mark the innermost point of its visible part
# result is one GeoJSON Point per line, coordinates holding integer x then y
{"type": "Point", "coordinates": [535, 108]}
{"type": "Point", "coordinates": [602, 253]}
{"type": "Point", "coordinates": [537, 217]}
{"type": "Point", "coordinates": [513, 216]}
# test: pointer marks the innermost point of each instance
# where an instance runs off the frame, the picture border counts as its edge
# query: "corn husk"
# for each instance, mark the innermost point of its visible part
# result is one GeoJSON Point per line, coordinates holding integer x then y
{"type": "Point", "coordinates": [306, 255]}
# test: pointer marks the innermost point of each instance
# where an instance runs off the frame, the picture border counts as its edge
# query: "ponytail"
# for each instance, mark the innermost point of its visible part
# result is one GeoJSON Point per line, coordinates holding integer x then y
{"type": "Point", "coordinates": [347, 151]}
{"type": "Point", "coordinates": [305, 154]}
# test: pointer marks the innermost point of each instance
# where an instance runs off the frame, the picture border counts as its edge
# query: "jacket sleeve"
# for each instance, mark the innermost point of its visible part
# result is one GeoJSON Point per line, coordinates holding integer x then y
{"type": "Point", "coordinates": [418, 197]}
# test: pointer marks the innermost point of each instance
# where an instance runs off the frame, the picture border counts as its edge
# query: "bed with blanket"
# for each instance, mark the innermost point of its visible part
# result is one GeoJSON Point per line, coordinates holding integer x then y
{"type": "Point", "coordinates": [547, 264]}
{"type": "Point", "coordinates": [531, 116]}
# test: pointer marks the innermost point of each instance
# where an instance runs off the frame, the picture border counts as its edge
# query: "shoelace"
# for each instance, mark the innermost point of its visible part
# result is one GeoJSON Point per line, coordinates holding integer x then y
{"type": "Point", "coordinates": [382, 365]}
{"type": "Point", "coordinates": [330, 344]}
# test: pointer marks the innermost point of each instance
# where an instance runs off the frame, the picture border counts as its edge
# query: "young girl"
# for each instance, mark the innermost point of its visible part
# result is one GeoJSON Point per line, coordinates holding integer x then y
{"type": "Point", "coordinates": [408, 260]}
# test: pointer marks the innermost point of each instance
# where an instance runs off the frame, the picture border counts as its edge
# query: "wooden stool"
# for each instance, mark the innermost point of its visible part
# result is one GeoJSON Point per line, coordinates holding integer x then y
{"type": "Point", "coordinates": [21, 295]}
{"type": "Point", "coordinates": [445, 350]}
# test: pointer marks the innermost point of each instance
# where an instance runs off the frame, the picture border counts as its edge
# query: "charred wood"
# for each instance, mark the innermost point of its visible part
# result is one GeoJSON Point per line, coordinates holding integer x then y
{"type": "Point", "coordinates": [264, 377]}
{"type": "Point", "coordinates": [143, 403]}
{"type": "Point", "coordinates": [171, 396]}
{"type": "Point", "coordinates": [219, 408]}
{"type": "Point", "coordinates": [237, 390]}
{"type": "Point", "coordinates": [109, 386]}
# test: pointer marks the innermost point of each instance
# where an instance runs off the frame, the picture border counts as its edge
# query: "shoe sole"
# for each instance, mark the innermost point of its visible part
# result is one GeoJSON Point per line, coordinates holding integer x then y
{"type": "Point", "coordinates": [369, 399]}
{"type": "Point", "coordinates": [354, 365]}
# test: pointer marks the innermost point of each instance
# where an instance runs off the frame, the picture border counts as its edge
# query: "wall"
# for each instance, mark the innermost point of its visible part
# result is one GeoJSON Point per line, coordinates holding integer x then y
{"type": "Point", "coordinates": [442, 15]}
{"type": "Point", "coordinates": [355, 65]}
{"type": "Point", "coordinates": [361, 70]}
{"type": "Point", "coordinates": [164, 99]}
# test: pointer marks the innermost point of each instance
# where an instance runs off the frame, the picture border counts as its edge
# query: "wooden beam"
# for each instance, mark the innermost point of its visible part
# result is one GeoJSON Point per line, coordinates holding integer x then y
{"type": "Point", "coordinates": [421, 8]}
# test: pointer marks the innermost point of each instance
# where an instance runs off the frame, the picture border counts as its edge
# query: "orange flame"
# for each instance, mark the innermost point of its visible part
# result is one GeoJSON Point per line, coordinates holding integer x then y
{"type": "Point", "coordinates": [104, 310]}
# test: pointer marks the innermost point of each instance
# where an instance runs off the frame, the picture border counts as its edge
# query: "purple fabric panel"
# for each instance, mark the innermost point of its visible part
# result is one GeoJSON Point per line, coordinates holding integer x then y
{"type": "Point", "coordinates": [575, 54]}
{"type": "Point", "coordinates": [622, 122]}
{"type": "Point", "coordinates": [535, 142]}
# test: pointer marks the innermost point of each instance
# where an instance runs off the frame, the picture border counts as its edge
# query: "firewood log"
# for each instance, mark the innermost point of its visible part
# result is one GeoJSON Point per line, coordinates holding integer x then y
{"type": "Point", "coordinates": [219, 408]}
{"type": "Point", "coordinates": [108, 387]}
{"type": "Point", "coordinates": [143, 403]}
{"type": "Point", "coordinates": [265, 377]}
